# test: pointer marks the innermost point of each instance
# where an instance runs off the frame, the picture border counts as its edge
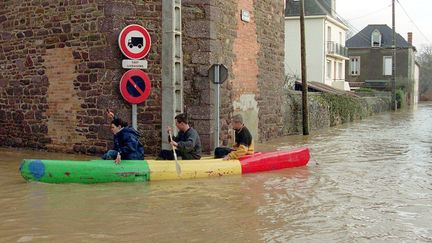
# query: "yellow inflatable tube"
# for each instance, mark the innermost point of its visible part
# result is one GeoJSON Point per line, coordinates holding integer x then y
{"type": "Point", "coordinates": [205, 167]}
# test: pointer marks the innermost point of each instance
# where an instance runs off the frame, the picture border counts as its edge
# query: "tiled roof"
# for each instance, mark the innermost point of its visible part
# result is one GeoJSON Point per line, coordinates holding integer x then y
{"type": "Point", "coordinates": [363, 38]}
{"type": "Point", "coordinates": [311, 7]}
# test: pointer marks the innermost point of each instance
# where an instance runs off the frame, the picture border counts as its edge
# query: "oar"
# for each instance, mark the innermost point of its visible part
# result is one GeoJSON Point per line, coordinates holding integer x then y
{"type": "Point", "coordinates": [178, 169]}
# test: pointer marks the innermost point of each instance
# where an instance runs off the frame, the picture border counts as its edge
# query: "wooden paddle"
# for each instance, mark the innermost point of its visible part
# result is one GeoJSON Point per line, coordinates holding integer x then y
{"type": "Point", "coordinates": [178, 169]}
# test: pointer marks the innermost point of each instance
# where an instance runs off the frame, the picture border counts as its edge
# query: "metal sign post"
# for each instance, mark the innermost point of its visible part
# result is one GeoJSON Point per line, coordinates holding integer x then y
{"type": "Point", "coordinates": [217, 106]}
{"type": "Point", "coordinates": [134, 117]}
{"type": "Point", "coordinates": [218, 73]}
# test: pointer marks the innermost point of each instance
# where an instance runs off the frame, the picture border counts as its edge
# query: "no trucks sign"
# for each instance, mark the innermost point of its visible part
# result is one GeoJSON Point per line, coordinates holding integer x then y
{"type": "Point", "coordinates": [134, 41]}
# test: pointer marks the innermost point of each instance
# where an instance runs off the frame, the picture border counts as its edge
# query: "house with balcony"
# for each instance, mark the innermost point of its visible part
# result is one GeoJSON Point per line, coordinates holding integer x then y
{"type": "Point", "coordinates": [325, 34]}
{"type": "Point", "coordinates": [370, 55]}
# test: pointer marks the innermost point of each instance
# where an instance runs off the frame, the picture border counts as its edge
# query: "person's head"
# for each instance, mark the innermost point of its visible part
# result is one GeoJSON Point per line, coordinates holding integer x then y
{"type": "Point", "coordinates": [181, 122]}
{"type": "Point", "coordinates": [117, 124]}
{"type": "Point", "coordinates": [237, 121]}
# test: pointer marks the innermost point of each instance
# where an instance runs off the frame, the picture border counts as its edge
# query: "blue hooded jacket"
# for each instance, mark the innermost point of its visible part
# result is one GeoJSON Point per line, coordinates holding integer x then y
{"type": "Point", "coordinates": [127, 143]}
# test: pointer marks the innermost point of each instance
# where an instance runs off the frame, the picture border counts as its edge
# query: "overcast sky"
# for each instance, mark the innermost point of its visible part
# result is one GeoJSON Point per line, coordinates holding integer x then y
{"type": "Point", "coordinates": [360, 13]}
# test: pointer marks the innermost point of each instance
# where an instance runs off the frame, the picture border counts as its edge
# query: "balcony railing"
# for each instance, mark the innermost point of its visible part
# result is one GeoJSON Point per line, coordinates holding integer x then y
{"type": "Point", "coordinates": [336, 49]}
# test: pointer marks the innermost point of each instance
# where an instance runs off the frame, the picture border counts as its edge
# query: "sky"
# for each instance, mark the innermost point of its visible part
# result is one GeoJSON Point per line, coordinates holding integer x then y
{"type": "Point", "coordinates": [417, 19]}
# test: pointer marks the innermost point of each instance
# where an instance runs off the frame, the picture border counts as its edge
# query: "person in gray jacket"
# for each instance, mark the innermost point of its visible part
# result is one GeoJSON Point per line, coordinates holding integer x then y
{"type": "Point", "coordinates": [187, 142]}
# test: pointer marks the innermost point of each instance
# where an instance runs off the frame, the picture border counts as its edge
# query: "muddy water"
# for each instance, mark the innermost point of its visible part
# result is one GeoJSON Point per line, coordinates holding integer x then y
{"type": "Point", "coordinates": [366, 181]}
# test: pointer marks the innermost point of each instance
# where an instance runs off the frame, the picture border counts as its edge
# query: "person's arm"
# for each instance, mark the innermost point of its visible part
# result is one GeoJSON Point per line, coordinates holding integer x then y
{"type": "Point", "coordinates": [110, 114]}
{"type": "Point", "coordinates": [174, 138]}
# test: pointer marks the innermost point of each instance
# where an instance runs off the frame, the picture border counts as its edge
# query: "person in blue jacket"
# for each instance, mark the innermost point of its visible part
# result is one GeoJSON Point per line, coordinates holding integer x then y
{"type": "Point", "coordinates": [126, 143]}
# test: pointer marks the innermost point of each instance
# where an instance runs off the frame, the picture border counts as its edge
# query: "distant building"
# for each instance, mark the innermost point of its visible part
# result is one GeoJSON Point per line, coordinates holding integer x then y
{"type": "Point", "coordinates": [370, 61]}
{"type": "Point", "coordinates": [325, 38]}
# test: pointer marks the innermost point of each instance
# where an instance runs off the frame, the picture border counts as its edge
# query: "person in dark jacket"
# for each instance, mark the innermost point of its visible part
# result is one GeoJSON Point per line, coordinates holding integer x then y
{"type": "Point", "coordinates": [244, 144]}
{"type": "Point", "coordinates": [126, 143]}
{"type": "Point", "coordinates": [187, 142]}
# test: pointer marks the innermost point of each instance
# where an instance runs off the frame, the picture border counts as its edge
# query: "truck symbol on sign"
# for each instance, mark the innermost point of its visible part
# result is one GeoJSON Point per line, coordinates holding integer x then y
{"type": "Point", "coordinates": [135, 41]}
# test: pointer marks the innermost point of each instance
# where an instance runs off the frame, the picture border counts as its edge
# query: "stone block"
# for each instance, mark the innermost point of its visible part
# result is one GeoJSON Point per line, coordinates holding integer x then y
{"type": "Point", "coordinates": [119, 9]}
{"type": "Point", "coordinates": [199, 29]}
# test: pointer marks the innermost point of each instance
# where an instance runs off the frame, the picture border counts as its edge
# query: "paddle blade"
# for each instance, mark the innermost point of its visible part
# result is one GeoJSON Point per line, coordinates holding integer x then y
{"type": "Point", "coordinates": [178, 169]}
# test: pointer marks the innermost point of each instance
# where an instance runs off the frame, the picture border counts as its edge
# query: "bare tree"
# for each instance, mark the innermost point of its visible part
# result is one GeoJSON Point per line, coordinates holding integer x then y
{"type": "Point", "coordinates": [425, 60]}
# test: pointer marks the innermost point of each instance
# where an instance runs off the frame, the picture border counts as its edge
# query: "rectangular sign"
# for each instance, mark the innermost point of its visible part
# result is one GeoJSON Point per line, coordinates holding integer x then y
{"type": "Point", "coordinates": [134, 64]}
{"type": "Point", "coordinates": [245, 15]}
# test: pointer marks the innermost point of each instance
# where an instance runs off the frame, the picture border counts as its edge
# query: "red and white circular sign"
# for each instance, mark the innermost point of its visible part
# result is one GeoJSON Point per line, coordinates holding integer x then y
{"type": "Point", "coordinates": [135, 86]}
{"type": "Point", "coordinates": [134, 41]}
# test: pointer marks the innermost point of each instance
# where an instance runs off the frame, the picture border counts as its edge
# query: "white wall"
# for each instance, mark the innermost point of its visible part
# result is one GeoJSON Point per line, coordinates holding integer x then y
{"type": "Point", "coordinates": [338, 35]}
{"type": "Point", "coordinates": [315, 56]}
{"type": "Point", "coordinates": [416, 84]}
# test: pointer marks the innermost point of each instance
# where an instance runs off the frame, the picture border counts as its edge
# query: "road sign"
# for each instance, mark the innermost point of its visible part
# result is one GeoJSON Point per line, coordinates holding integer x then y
{"type": "Point", "coordinates": [134, 64]}
{"type": "Point", "coordinates": [134, 41]}
{"type": "Point", "coordinates": [218, 69]}
{"type": "Point", "coordinates": [135, 86]}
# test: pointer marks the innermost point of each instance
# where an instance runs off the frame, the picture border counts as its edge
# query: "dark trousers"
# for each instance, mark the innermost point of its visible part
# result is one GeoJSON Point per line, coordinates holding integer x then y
{"type": "Point", "coordinates": [221, 152]}
{"type": "Point", "coordinates": [169, 155]}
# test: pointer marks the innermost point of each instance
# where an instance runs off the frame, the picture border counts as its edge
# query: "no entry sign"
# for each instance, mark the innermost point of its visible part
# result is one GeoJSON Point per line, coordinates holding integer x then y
{"type": "Point", "coordinates": [135, 86]}
{"type": "Point", "coordinates": [134, 41]}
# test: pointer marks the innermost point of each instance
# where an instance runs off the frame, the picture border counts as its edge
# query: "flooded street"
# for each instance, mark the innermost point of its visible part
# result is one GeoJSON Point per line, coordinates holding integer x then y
{"type": "Point", "coordinates": [366, 181]}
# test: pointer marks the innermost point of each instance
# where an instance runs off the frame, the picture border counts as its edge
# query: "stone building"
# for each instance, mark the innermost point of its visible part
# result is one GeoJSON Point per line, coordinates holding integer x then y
{"type": "Point", "coordinates": [60, 67]}
{"type": "Point", "coordinates": [370, 61]}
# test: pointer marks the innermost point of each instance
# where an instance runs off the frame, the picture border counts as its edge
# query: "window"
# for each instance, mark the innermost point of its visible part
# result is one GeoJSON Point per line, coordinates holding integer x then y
{"type": "Point", "coordinates": [376, 38]}
{"type": "Point", "coordinates": [387, 65]}
{"type": "Point", "coordinates": [354, 66]}
{"type": "Point", "coordinates": [329, 37]}
{"type": "Point", "coordinates": [329, 69]}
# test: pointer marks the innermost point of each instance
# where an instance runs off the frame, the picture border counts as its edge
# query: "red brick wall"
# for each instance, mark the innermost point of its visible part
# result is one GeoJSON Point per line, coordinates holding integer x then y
{"type": "Point", "coordinates": [245, 68]}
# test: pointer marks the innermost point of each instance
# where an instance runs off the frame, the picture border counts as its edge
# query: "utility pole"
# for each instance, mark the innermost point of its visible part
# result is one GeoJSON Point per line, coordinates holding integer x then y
{"type": "Point", "coordinates": [303, 72]}
{"type": "Point", "coordinates": [394, 102]}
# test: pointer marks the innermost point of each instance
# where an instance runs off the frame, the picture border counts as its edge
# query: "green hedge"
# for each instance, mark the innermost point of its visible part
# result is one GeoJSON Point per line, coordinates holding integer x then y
{"type": "Point", "coordinates": [344, 108]}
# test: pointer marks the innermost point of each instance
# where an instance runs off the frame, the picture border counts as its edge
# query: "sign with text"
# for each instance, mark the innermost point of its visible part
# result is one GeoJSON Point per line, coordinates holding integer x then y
{"type": "Point", "coordinates": [134, 64]}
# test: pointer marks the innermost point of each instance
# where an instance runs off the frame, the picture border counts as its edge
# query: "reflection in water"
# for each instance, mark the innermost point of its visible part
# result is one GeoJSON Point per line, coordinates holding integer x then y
{"type": "Point", "coordinates": [366, 181]}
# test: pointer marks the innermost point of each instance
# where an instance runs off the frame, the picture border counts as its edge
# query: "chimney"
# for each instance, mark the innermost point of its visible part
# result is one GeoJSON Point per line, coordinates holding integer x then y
{"type": "Point", "coordinates": [410, 38]}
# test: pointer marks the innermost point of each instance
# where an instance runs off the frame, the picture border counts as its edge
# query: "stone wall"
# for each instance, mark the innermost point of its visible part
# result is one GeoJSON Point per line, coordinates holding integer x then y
{"type": "Point", "coordinates": [197, 51]}
{"type": "Point", "coordinates": [253, 53]}
{"type": "Point", "coordinates": [326, 110]}
{"type": "Point", "coordinates": [270, 32]}
{"type": "Point", "coordinates": [60, 67]}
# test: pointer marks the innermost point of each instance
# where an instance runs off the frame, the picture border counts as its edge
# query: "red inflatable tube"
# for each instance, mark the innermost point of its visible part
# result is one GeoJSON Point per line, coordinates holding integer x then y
{"type": "Point", "coordinates": [275, 160]}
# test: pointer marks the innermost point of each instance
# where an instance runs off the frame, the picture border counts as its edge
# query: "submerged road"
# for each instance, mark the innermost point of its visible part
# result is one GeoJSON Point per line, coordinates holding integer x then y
{"type": "Point", "coordinates": [367, 181]}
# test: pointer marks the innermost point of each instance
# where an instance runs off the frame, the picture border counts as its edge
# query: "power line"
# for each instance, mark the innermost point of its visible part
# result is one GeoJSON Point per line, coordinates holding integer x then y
{"type": "Point", "coordinates": [406, 13]}
{"type": "Point", "coordinates": [345, 21]}
{"type": "Point", "coordinates": [371, 13]}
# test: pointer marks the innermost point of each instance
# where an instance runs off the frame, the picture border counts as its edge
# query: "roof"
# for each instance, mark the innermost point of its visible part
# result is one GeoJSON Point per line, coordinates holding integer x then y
{"type": "Point", "coordinates": [311, 7]}
{"type": "Point", "coordinates": [363, 38]}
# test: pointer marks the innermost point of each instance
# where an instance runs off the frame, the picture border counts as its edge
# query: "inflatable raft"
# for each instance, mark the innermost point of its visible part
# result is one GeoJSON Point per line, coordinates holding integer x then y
{"type": "Point", "coordinates": [102, 171]}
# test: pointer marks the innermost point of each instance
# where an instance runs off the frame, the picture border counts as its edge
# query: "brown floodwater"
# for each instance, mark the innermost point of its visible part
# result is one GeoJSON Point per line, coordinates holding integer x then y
{"type": "Point", "coordinates": [368, 181]}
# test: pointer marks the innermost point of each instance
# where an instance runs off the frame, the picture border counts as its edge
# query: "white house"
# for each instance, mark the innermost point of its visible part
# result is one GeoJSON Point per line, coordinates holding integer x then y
{"type": "Point", "coordinates": [325, 38]}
